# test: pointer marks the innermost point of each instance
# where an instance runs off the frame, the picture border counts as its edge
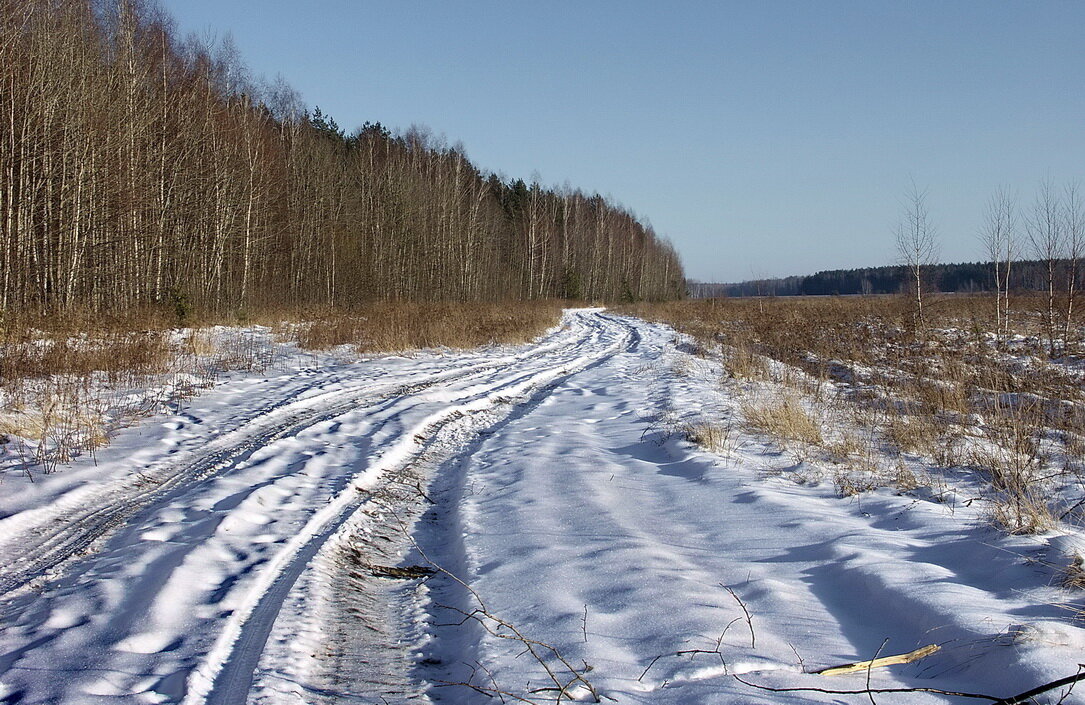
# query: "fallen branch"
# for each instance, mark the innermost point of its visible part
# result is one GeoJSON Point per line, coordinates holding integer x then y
{"type": "Point", "coordinates": [1012, 700]}
{"type": "Point", "coordinates": [1022, 697]}
{"type": "Point", "coordinates": [879, 662]}
{"type": "Point", "coordinates": [865, 691]}
{"type": "Point", "coordinates": [694, 652]}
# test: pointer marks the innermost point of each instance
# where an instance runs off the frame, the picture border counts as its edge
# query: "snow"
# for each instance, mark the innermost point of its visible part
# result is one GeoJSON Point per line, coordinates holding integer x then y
{"type": "Point", "coordinates": [222, 553]}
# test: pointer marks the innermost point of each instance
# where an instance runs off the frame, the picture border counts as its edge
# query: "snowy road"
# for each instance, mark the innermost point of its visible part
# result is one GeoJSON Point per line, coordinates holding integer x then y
{"type": "Point", "coordinates": [158, 573]}
{"type": "Point", "coordinates": [226, 554]}
{"type": "Point", "coordinates": [592, 526]}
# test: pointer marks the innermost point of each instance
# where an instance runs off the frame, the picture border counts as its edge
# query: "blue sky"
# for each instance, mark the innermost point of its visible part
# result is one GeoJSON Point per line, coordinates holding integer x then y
{"type": "Point", "coordinates": [762, 138]}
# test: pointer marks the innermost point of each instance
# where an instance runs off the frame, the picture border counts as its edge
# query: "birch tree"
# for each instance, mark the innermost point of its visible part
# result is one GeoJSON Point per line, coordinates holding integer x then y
{"type": "Point", "coordinates": [1046, 230]}
{"type": "Point", "coordinates": [917, 246]}
{"type": "Point", "coordinates": [999, 237]}
{"type": "Point", "coordinates": [1074, 232]}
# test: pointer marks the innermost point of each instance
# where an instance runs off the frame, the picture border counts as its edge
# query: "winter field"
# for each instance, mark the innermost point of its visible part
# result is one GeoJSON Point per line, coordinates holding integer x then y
{"type": "Point", "coordinates": [615, 512]}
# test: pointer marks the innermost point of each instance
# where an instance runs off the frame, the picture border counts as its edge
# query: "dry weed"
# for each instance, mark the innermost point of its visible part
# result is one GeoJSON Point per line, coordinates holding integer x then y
{"type": "Point", "coordinates": [844, 448]}
{"type": "Point", "coordinates": [785, 418]}
{"type": "Point", "coordinates": [742, 363]}
{"type": "Point", "coordinates": [713, 437]}
{"type": "Point", "coordinates": [904, 479]}
{"type": "Point", "coordinates": [405, 326]}
{"type": "Point", "coordinates": [953, 394]}
{"type": "Point", "coordinates": [1021, 512]}
{"type": "Point", "coordinates": [849, 484]}
{"type": "Point", "coordinates": [200, 344]}
{"type": "Point", "coordinates": [1073, 575]}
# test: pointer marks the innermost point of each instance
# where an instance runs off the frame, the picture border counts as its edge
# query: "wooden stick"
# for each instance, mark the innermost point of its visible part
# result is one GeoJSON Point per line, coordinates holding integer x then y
{"type": "Point", "coordinates": [879, 662]}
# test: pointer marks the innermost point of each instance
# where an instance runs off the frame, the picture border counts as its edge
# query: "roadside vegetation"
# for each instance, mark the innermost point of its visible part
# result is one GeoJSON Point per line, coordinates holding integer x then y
{"type": "Point", "coordinates": [853, 385]}
{"type": "Point", "coordinates": [68, 383]}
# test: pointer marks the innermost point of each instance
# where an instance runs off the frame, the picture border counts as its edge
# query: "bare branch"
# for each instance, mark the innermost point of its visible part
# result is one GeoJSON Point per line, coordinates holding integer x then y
{"type": "Point", "coordinates": [865, 691]}
{"type": "Point", "coordinates": [749, 619]}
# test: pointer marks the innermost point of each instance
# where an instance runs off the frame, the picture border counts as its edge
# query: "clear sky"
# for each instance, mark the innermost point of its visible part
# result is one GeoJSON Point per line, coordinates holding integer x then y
{"type": "Point", "coordinates": [762, 138]}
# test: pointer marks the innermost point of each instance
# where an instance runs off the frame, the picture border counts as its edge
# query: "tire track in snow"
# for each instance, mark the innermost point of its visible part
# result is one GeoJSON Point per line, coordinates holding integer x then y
{"type": "Point", "coordinates": [226, 676]}
{"type": "Point", "coordinates": [358, 651]}
{"type": "Point", "coordinates": [55, 644]}
{"type": "Point", "coordinates": [40, 548]}
{"type": "Point", "coordinates": [43, 552]}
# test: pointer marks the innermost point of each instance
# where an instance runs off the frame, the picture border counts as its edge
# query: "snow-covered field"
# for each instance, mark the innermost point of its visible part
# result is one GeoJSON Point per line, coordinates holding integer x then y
{"type": "Point", "coordinates": [375, 531]}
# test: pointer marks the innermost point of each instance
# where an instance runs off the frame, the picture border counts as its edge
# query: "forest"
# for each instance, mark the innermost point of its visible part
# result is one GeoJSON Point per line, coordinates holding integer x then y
{"type": "Point", "coordinates": [968, 277]}
{"type": "Point", "coordinates": [140, 169]}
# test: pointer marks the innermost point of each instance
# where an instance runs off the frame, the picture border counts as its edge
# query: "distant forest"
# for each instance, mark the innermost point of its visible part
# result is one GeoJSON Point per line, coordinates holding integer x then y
{"type": "Point", "coordinates": [957, 278]}
{"type": "Point", "coordinates": [140, 169]}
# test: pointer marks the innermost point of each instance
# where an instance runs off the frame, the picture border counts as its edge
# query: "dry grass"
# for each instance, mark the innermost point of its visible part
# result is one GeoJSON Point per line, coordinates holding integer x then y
{"type": "Point", "coordinates": [1022, 512]}
{"type": "Point", "coordinates": [741, 363]}
{"type": "Point", "coordinates": [849, 484]}
{"type": "Point", "coordinates": [784, 418]}
{"type": "Point", "coordinates": [200, 343]}
{"type": "Point", "coordinates": [714, 437]}
{"type": "Point", "coordinates": [845, 448]}
{"type": "Point", "coordinates": [1073, 575]}
{"type": "Point", "coordinates": [406, 326]}
{"type": "Point", "coordinates": [917, 435]}
{"type": "Point", "coordinates": [27, 354]}
{"type": "Point", "coordinates": [65, 383]}
{"type": "Point", "coordinates": [952, 394]}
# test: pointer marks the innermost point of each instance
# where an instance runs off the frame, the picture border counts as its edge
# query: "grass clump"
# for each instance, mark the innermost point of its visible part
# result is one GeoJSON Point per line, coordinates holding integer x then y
{"type": "Point", "coordinates": [714, 437]}
{"type": "Point", "coordinates": [784, 418]}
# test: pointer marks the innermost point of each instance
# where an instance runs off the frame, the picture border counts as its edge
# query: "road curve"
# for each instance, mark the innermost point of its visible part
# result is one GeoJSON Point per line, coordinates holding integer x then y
{"type": "Point", "coordinates": [164, 585]}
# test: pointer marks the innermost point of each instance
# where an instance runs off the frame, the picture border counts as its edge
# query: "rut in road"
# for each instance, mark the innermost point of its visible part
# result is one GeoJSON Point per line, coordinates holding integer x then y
{"type": "Point", "coordinates": [33, 549]}
{"type": "Point", "coordinates": [356, 619]}
{"type": "Point", "coordinates": [185, 577]}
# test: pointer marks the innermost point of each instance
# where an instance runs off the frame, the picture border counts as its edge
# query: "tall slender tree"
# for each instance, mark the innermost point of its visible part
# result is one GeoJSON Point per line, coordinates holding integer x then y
{"type": "Point", "coordinates": [999, 236]}
{"type": "Point", "coordinates": [917, 246]}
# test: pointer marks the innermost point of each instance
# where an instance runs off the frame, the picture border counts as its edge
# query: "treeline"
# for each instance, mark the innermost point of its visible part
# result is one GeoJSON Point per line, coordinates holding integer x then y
{"type": "Point", "coordinates": [966, 277]}
{"type": "Point", "coordinates": [136, 168]}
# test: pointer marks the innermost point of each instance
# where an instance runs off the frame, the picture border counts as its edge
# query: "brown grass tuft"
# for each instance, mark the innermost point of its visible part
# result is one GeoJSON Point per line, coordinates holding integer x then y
{"type": "Point", "coordinates": [784, 418]}
{"type": "Point", "coordinates": [1021, 512]}
{"type": "Point", "coordinates": [713, 437]}
{"type": "Point", "coordinates": [1073, 575]}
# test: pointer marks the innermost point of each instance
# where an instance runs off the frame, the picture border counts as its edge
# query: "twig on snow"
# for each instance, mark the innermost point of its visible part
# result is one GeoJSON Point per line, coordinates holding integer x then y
{"type": "Point", "coordinates": [749, 619]}
{"type": "Point", "coordinates": [503, 629]}
{"type": "Point", "coordinates": [865, 691]}
{"type": "Point", "coordinates": [870, 667]}
{"type": "Point", "coordinates": [1022, 697]}
{"type": "Point", "coordinates": [1012, 700]}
